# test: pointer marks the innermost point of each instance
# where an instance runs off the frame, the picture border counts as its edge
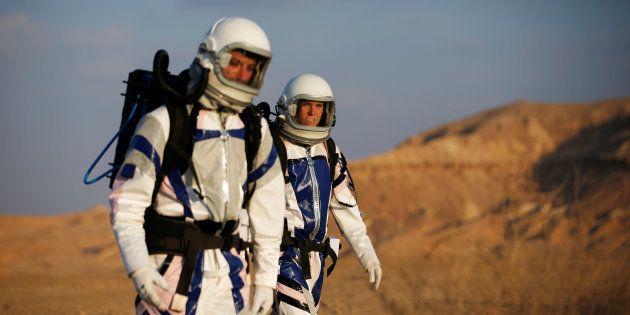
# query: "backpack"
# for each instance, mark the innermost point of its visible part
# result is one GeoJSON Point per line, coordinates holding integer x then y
{"type": "Point", "coordinates": [148, 90]}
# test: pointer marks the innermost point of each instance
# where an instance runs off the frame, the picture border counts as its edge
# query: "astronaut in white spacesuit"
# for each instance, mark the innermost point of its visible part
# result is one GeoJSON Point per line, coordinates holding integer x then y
{"type": "Point", "coordinates": [180, 244]}
{"type": "Point", "coordinates": [317, 183]}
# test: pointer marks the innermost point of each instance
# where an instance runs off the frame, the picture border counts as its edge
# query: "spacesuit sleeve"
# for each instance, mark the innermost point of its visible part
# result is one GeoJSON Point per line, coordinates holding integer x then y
{"type": "Point", "coordinates": [133, 187]}
{"type": "Point", "coordinates": [266, 208]}
{"type": "Point", "coordinates": [348, 217]}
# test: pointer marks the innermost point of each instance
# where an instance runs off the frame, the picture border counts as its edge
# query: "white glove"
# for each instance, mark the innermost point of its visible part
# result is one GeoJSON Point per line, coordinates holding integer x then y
{"type": "Point", "coordinates": [263, 299]}
{"type": "Point", "coordinates": [144, 279]}
{"type": "Point", "coordinates": [375, 272]}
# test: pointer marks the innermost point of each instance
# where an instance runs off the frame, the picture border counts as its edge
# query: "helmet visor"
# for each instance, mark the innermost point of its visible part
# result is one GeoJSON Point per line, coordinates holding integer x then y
{"type": "Point", "coordinates": [312, 112]}
{"type": "Point", "coordinates": [243, 67]}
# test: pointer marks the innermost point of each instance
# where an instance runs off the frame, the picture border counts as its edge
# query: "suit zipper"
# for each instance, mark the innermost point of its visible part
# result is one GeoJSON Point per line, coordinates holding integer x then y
{"type": "Point", "coordinates": [316, 204]}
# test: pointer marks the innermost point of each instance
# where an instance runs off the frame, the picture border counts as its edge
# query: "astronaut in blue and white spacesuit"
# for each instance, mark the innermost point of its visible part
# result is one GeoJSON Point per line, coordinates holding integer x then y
{"type": "Point", "coordinates": [317, 183]}
{"type": "Point", "coordinates": [157, 220]}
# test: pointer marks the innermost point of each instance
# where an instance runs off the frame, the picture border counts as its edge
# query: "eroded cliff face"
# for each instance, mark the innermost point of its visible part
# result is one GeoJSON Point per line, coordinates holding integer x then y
{"type": "Point", "coordinates": [573, 156]}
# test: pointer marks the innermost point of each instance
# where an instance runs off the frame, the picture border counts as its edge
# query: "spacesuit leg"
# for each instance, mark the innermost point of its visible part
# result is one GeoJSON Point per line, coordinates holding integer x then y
{"type": "Point", "coordinates": [294, 294]}
{"type": "Point", "coordinates": [225, 294]}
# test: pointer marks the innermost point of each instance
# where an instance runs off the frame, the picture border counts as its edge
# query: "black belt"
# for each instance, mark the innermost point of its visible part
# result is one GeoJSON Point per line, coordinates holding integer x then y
{"type": "Point", "coordinates": [306, 246]}
{"type": "Point", "coordinates": [171, 235]}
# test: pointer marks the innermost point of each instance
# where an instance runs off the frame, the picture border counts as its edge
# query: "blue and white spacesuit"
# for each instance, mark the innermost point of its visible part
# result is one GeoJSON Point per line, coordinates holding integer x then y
{"type": "Point", "coordinates": [208, 197]}
{"type": "Point", "coordinates": [314, 193]}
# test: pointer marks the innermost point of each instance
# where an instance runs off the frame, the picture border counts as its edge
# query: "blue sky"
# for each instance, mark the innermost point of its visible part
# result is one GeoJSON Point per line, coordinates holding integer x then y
{"type": "Point", "coordinates": [396, 67]}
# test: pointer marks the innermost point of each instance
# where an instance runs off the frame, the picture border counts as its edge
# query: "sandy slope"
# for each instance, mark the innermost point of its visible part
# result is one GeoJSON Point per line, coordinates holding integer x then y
{"type": "Point", "coordinates": [62, 265]}
{"type": "Point", "coordinates": [521, 209]}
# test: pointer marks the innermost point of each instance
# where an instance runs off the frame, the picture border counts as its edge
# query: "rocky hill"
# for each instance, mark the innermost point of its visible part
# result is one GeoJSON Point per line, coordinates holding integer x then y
{"type": "Point", "coordinates": [520, 209]}
{"type": "Point", "coordinates": [557, 154]}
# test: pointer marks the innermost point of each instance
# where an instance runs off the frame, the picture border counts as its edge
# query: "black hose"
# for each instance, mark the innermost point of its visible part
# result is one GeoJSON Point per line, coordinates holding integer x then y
{"type": "Point", "coordinates": [264, 109]}
{"type": "Point", "coordinates": [160, 70]}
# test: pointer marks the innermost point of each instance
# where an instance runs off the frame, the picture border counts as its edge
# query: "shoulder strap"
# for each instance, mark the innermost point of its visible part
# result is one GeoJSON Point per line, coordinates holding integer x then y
{"type": "Point", "coordinates": [251, 119]}
{"type": "Point", "coordinates": [180, 142]}
{"type": "Point", "coordinates": [253, 136]}
{"type": "Point", "coordinates": [333, 158]}
{"type": "Point", "coordinates": [282, 155]}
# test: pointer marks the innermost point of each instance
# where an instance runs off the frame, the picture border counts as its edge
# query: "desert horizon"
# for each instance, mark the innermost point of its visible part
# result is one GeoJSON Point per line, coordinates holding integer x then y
{"type": "Point", "coordinates": [519, 209]}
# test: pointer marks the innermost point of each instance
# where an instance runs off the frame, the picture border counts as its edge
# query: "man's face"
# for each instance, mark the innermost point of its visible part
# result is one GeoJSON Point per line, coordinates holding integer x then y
{"type": "Point", "coordinates": [241, 68]}
{"type": "Point", "coordinates": [309, 113]}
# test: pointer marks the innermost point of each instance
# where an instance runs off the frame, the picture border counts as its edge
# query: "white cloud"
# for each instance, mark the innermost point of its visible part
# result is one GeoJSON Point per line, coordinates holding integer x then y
{"type": "Point", "coordinates": [19, 31]}
{"type": "Point", "coordinates": [17, 23]}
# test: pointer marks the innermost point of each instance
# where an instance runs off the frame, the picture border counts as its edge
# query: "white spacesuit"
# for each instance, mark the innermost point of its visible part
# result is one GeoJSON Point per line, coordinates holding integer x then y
{"type": "Point", "coordinates": [209, 196]}
{"type": "Point", "coordinates": [313, 191]}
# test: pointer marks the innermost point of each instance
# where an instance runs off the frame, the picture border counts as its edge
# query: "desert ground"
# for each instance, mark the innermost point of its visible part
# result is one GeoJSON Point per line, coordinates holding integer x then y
{"type": "Point", "coordinates": [521, 209]}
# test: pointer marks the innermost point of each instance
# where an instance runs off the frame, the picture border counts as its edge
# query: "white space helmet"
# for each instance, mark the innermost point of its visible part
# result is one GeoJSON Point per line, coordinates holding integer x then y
{"type": "Point", "coordinates": [215, 54]}
{"type": "Point", "coordinates": [306, 87]}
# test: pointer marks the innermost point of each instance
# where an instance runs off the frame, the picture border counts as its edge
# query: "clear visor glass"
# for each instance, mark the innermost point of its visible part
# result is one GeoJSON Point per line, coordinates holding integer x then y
{"type": "Point", "coordinates": [243, 69]}
{"type": "Point", "coordinates": [313, 112]}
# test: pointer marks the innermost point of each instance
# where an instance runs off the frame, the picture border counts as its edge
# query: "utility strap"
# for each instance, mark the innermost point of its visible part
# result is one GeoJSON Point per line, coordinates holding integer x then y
{"type": "Point", "coordinates": [306, 246]}
{"type": "Point", "coordinates": [166, 235]}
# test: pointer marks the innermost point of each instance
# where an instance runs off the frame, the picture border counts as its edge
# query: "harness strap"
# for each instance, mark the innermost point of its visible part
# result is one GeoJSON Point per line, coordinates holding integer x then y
{"type": "Point", "coordinates": [333, 256]}
{"type": "Point", "coordinates": [306, 246]}
{"type": "Point", "coordinates": [166, 235]}
{"type": "Point", "coordinates": [291, 300]}
{"type": "Point", "coordinates": [175, 177]}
